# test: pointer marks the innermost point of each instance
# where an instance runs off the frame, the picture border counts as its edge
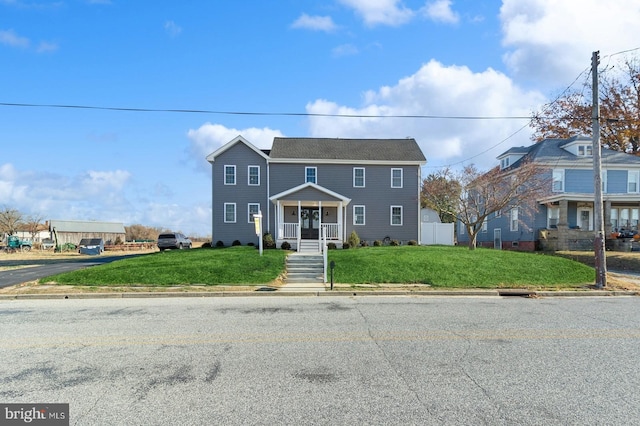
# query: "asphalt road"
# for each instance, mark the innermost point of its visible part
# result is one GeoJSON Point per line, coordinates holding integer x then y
{"type": "Point", "coordinates": [340, 360]}
{"type": "Point", "coordinates": [49, 267]}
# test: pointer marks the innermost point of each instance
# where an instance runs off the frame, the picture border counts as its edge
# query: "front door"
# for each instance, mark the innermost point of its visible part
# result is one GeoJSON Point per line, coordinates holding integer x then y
{"type": "Point", "coordinates": [310, 219]}
{"type": "Point", "coordinates": [497, 238]}
{"type": "Point", "coordinates": [585, 218]}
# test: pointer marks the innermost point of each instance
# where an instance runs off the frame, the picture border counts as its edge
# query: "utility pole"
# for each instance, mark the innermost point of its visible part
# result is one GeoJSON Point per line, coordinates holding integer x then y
{"type": "Point", "coordinates": [598, 241]}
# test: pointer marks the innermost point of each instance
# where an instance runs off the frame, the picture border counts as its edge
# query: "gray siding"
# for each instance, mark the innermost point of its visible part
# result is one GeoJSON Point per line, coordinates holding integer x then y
{"type": "Point", "coordinates": [241, 193]}
{"type": "Point", "coordinates": [377, 196]}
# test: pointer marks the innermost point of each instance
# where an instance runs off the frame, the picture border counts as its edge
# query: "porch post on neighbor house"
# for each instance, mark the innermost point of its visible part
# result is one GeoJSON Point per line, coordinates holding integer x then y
{"type": "Point", "coordinates": [298, 235]}
{"type": "Point", "coordinates": [563, 226]}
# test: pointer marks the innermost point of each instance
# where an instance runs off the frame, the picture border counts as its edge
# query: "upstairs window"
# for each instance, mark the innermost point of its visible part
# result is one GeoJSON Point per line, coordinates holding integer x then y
{"type": "Point", "coordinates": [514, 219]}
{"type": "Point", "coordinates": [358, 177]}
{"type": "Point", "coordinates": [229, 175]}
{"type": "Point", "coordinates": [254, 175]}
{"type": "Point", "coordinates": [558, 180]}
{"type": "Point", "coordinates": [310, 174]}
{"type": "Point", "coordinates": [633, 181]}
{"type": "Point", "coordinates": [585, 150]}
{"type": "Point", "coordinates": [504, 163]}
{"type": "Point", "coordinates": [396, 178]}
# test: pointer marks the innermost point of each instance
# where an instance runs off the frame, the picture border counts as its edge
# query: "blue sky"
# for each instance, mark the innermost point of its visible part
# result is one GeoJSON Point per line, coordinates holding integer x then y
{"type": "Point", "coordinates": [365, 57]}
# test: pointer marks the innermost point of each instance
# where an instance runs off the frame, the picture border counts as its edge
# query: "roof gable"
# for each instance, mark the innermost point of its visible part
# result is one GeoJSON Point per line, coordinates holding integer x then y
{"type": "Point", "coordinates": [309, 185]}
{"type": "Point", "coordinates": [386, 150]}
{"type": "Point", "coordinates": [238, 139]}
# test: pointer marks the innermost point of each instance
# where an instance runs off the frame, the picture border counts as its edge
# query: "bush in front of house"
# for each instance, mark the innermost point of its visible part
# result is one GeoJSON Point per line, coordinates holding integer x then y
{"type": "Point", "coordinates": [364, 243]}
{"type": "Point", "coordinates": [394, 243]}
{"type": "Point", "coordinates": [268, 242]}
{"type": "Point", "coordinates": [332, 246]}
{"type": "Point", "coordinates": [285, 245]}
{"type": "Point", "coordinates": [377, 243]}
{"type": "Point", "coordinates": [219, 244]}
{"type": "Point", "coordinates": [354, 239]}
{"type": "Point", "coordinates": [413, 243]}
{"type": "Point", "coordinates": [345, 245]}
{"type": "Point", "coordinates": [206, 244]}
{"type": "Point", "coordinates": [250, 244]}
{"type": "Point", "coordinates": [236, 243]}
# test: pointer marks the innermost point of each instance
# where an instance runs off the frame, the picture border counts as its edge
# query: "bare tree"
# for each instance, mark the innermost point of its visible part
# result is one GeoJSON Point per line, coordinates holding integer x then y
{"type": "Point", "coordinates": [141, 232]}
{"type": "Point", "coordinates": [33, 224]}
{"type": "Point", "coordinates": [486, 193]}
{"type": "Point", "coordinates": [570, 114]}
{"type": "Point", "coordinates": [10, 219]}
{"type": "Point", "coordinates": [440, 192]}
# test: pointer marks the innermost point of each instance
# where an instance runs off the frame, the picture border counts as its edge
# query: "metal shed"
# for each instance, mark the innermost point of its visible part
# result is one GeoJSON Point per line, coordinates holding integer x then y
{"type": "Point", "coordinates": [72, 231]}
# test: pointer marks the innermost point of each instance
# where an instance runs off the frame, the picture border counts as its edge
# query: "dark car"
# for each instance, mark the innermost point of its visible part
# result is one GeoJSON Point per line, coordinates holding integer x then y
{"type": "Point", "coordinates": [173, 240]}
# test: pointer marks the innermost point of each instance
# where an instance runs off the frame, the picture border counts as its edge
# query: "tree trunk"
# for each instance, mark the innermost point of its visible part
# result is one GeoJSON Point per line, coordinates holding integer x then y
{"type": "Point", "coordinates": [472, 241]}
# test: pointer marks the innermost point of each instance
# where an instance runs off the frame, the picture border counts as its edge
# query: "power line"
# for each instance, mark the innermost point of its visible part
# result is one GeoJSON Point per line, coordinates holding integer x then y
{"type": "Point", "coordinates": [261, 113]}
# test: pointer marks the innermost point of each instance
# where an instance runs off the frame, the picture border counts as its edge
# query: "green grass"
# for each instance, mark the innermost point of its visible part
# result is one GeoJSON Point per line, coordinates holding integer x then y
{"type": "Point", "coordinates": [439, 266]}
{"type": "Point", "coordinates": [457, 267]}
{"type": "Point", "coordinates": [229, 266]}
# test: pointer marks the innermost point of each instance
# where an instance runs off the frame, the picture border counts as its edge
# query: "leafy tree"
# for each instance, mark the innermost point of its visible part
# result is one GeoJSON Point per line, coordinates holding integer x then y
{"type": "Point", "coordinates": [619, 96]}
{"type": "Point", "coordinates": [485, 193]}
{"type": "Point", "coordinates": [10, 219]}
{"type": "Point", "coordinates": [440, 192]}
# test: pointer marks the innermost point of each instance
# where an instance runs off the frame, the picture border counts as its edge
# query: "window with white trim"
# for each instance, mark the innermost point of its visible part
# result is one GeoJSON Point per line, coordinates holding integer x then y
{"type": "Point", "coordinates": [614, 218]}
{"type": "Point", "coordinates": [603, 180]}
{"type": "Point", "coordinates": [498, 213]}
{"type": "Point", "coordinates": [513, 222]}
{"type": "Point", "coordinates": [553, 216]}
{"type": "Point", "coordinates": [229, 212]}
{"type": "Point", "coordinates": [311, 174]}
{"type": "Point", "coordinates": [253, 176]}
{"type": "Point", "coordinates": [396, 215]}
{"type": "Point", "coordinates": [633, 181]}
{"type": "Point", "coordinates": [358, 177]}
{"type": "Point", "coordinates": [396, 178]}
{"type": "Point", "coordinates": [358, 215]}
{"type": "Point", "coordinates": [485, 226]}
{"type": "Point", "coordinates": [585, 150]}
{"type": "Point", "coordinates": [558, 180]}
{"type": "Point", "coordinates": [252, 208]}
{"type": "Point", "coordinates": [229, 175]}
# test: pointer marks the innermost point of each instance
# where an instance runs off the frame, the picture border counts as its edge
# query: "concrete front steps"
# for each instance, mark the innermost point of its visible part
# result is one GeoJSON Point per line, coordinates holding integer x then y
{"type": "Point", "coordinates": [305, 268]}
{"type": "Point", "coordinates": [309, 246]}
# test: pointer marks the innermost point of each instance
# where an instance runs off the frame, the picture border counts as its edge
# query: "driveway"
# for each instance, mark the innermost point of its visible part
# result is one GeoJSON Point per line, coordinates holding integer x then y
{"type": "Point", "coordinates": [44, 268]}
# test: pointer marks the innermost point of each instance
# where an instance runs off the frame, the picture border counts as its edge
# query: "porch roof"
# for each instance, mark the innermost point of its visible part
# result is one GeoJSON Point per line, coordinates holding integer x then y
{"type": "Point", "coordinates": [313, 186]}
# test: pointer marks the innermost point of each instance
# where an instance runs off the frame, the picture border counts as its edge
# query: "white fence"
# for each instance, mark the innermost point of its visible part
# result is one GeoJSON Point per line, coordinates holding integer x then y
{"type": "Point", "coordinates": [437, 233]}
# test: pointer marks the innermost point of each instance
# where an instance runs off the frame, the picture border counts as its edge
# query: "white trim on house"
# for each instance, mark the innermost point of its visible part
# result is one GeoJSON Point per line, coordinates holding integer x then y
{"type": "Point", "coordinates": [249, 175]}
{"type": "Point", "coordinates": [315, 174]}
{"type": "Point", "coordinates": [212, 157]}
{"type": "Point", "coordinates": [249, 213]}
{"type": "Point", "coordinates": [356, 215]}
{"type": "Point", "coordinates": [401, 177]}
{"type": "Point", "coordinates": [342, 161]}
{"type": "Point", "coordinates": [295, 189]}
{"type": "Point", "coordinates": [235, 212]}
{"type": "Point", "coordinates": [392, 215]}
{"type": "Point", "coordinates": [235, 174]}
{"type": "Point", "coordinates": [364, 174]}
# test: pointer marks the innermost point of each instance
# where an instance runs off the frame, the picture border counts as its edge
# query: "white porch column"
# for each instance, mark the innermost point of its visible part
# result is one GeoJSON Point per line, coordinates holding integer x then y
{"type": "Point", "coordinates": [278, 221]}
{"type": "Point", "coordinates": [319, 220]}
{"type": "Point", "coordinates": [299, 220]}
{"type": "Point", "coordinates": [340, 215]}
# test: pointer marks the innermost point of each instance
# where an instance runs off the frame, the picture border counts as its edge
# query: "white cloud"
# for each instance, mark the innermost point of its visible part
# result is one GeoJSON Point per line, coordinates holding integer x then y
{"type": "Point", "coordinates": [345, 50]}
{"type": "Point", "coordinates": [316, 23]}
{"type": "Point", "coordinates": [172, 28]}
{"type": "Point", "coordinates": [209, 137]}
{"type": "Point", "coordinates": [440, 10]}
{"type": "Point", "coordinates": [550, 42]}
{"type": "Point", "coordinates": [438, 90]}
{"type": "Point", "coordinates": [10, 38]}
{"type": "Point", "coordinates": [381, 12]}
{"type": "Point", "coordinates": [46, 47]}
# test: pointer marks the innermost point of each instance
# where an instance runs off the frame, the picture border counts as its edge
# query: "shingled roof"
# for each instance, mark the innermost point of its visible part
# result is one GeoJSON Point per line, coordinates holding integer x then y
{"type": "Point", "coordinates": [403, 150]}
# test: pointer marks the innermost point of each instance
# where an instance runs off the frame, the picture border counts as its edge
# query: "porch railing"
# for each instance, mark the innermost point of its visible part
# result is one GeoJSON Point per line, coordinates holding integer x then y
{"type": "Point", "coordinates": [290, 231]}
{"type": "Point", "coordinates": [331, 231]}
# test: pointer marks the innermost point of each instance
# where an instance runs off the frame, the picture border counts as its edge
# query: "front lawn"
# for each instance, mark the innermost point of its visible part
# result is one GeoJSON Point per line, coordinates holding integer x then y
{"type": "Point", "coordinates": [457, 267]}
{"type": "Point", "coordinates": [438, 266]}
{"type": "Point", "coordinates": [228, 266]}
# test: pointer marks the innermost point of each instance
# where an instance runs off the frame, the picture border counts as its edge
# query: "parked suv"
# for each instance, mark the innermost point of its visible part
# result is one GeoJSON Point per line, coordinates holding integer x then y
{"type": "Point", "coordinates": [173, 240]}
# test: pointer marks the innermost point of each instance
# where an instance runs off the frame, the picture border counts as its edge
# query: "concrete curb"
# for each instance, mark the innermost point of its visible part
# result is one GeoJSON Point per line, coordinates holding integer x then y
{"type": "Point", "coordinates": [334, 293]}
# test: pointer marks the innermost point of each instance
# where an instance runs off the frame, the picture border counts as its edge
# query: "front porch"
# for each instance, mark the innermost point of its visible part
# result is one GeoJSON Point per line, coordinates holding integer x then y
{"type": "Point", "coordinates": [309, 214]}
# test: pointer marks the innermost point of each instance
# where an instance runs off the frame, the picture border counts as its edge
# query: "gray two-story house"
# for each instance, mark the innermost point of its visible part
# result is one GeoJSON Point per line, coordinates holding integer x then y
{"type": "Point", "coordinates": [565, 218]}
{"type": "Point", "coordinates": [310, 188]}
